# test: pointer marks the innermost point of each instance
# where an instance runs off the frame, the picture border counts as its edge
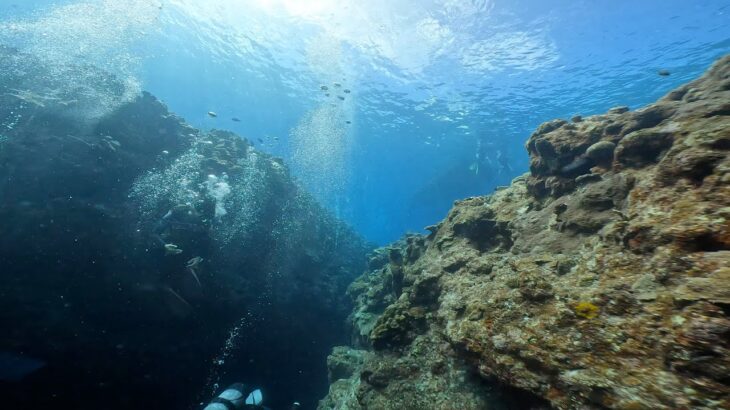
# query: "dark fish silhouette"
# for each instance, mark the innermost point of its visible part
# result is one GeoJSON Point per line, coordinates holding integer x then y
{"type": "Point", "coordinates": [212, 114]}
{"type": "Point", "coordinates": [235, 119]}
{"type": "Point", "coordinates": [341, 97]}
{"type": "Point", "coordinates": [663, 73]}
{"type": "Point", "coordinates": [346, 91]}
{"type": "Point", "coordinates": [324, 88]}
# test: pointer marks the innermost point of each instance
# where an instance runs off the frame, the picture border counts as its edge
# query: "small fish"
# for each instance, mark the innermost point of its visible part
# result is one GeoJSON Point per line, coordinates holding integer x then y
{"type": "Point", "coordinates": [346, 91]}
{"type": "Point", "coordinates": [324, 88]}
{"type": "Point", "coordinates": [348, 122]}
{"type": "Point", "coordinates": [663, 73]}
{"type": "Point", "coordinates": [194, 262]}
{"type": "Point", "coordinates": [338, 85]}
{"type": "Point", "coordinates": [165, 152]}
{"type": "Point", "coordinates": [235, 119]}
{"type": "Point", "coordinates": [260, 140]}
{"type": "Point", "coordinates": [327, 95]}
{"type": "Point", "coordinates": [341, 97]}
{"type": "Point", "coordinates": [212, 114]}
{"type": "Point", "coordinates": [172, 249]}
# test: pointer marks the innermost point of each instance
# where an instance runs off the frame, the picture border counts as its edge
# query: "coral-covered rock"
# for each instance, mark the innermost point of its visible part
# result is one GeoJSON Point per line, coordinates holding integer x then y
{"type": "Point", "coordinates": [599, 280]}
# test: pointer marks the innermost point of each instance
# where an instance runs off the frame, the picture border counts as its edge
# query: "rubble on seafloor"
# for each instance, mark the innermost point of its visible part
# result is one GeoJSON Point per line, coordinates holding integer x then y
{"type": "Point", "coordinates": [601, 279]}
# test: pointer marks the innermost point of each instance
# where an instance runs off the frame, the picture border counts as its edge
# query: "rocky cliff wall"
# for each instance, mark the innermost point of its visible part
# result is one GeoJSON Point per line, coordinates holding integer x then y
{"type": "Point", "coordinates": [601, 279]}
{"type": "Point", "coordinates": [144, 260]}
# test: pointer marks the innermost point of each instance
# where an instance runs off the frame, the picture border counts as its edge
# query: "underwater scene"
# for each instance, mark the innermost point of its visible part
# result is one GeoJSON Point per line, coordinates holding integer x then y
{"type": "Point", "coordinates": [382, 204]}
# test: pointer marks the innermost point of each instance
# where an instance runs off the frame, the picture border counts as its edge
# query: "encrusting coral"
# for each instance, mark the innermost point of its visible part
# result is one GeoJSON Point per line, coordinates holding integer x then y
{"type": "Point", "coordinates": [586, 310]}
{"type": "Point", "coordinates": [601, 279]}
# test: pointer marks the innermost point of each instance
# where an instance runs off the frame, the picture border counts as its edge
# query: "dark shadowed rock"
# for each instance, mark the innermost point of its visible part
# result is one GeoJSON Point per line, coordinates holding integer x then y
{"type": "Point", "coordinates": [102, 222]}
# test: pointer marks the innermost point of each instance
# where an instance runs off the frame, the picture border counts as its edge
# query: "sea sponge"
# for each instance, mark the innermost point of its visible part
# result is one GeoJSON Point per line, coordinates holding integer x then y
{"type": "Point", "coordinates": [586, 310]}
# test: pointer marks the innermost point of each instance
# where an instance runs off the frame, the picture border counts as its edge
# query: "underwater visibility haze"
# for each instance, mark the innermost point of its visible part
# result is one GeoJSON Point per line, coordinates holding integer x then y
{"type": "Point", "coordinates": [386, 204]}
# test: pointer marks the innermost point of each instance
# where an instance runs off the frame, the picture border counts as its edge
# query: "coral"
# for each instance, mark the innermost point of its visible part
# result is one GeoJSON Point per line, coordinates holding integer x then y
{"type": "Point", "coordinates": [586, 310]}
{"type": "Point", "coordinates": [599, 280]}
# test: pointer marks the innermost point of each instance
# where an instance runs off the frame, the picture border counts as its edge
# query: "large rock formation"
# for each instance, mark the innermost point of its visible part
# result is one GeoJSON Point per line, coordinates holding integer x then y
{"type": "Point", "coordinates": [138, 254]}
{"type": "Point", "coordinates": [599, 280]}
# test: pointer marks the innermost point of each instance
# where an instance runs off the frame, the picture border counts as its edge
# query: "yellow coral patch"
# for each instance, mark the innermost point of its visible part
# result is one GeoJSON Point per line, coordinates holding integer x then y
{"type": "Point", "coordinates": [586, 310]}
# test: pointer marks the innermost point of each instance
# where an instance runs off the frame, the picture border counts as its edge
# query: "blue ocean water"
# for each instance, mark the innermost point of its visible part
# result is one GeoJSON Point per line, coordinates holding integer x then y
{"type": "Point", "coordinates": [131, 271]}
{"type": "Point", "coordinates": [443, 93]}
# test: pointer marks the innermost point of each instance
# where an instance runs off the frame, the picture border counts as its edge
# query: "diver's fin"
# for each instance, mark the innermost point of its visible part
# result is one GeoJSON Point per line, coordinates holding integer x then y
{"type": "Point", "coordinates": [255, 398]}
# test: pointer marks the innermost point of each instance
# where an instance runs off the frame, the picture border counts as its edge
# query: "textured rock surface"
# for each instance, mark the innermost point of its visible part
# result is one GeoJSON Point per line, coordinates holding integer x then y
{"type": "Point", "coordinates": [599, 280]}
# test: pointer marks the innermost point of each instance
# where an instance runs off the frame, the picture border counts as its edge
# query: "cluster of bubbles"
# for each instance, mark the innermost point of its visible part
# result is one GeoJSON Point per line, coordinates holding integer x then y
{"type": "Point", "coordinates": [238, 200]}
{"type": "Point", "coordinates": [245, 323]}
{"type": "Point", "coordinates": [173, 185]}
{"type": "Point", "coordinates": [9, 123]}
{"type": "Point", "coordinates": [244, 202]}
{"type": "Point", "coordinates": [218, 189]}
{"type": "Point", "coordinates": [321, 148]}
{"type": "Point", "coordinates": [83, 46]}
{"type": "Point", "coordinates": [321, 143]}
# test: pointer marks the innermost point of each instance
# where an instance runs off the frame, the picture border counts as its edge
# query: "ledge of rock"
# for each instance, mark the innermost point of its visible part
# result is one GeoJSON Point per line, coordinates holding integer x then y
{"type": "Point", "coordinates": [599, 280]}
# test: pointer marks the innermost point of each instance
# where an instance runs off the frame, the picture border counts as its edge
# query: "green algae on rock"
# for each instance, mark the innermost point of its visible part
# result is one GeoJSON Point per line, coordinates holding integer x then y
{"type": "Point", "coordinates": [599, 280]}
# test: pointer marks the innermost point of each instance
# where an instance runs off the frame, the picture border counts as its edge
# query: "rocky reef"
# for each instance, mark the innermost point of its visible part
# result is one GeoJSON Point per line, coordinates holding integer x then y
{"type": "Point", "coordinates": [601, 279]}
{"type": "Point", "coordinates": [144, 260]}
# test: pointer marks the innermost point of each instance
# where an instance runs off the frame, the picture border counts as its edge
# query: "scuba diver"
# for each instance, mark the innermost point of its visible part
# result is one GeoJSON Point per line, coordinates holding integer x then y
{"type": "Point", "coordinates": [239, 396]}
{"type": "Point", "coordinates": [504, 165]}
